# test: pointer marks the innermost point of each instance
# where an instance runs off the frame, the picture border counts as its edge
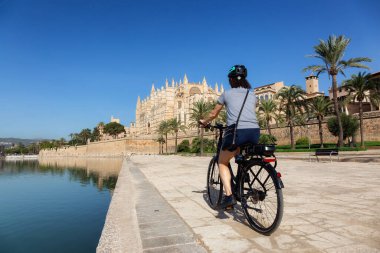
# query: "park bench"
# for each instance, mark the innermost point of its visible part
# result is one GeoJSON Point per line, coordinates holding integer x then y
{"type": "Point", "coordinates": [325, 152]}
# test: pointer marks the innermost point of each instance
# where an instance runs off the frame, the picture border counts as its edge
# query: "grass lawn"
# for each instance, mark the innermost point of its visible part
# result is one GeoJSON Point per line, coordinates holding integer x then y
{"type": "Point", "coordinates": [313, 147]}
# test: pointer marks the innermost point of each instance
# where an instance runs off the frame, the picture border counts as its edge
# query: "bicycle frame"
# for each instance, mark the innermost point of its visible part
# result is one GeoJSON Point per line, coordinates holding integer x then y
{"type": "Point", "coordinates": [256, 182]}
{"type": "Point", "coordinates": [242, 161]}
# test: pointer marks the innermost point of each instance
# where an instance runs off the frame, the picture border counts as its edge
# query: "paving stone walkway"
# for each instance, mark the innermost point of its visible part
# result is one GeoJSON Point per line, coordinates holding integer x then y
{"type": "Point", "coordinates": [329, 207]}
{"type": "Point", "coordinates": [161, 228]}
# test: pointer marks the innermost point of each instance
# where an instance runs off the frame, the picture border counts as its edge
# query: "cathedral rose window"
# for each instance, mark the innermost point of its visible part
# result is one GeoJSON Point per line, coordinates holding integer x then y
{"type": "Point", "coordinates": [194, 90]}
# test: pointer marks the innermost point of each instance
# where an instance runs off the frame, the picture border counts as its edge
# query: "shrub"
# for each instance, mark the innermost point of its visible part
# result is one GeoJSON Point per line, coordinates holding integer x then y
{"type": "Point", "coordinates": [208, 145]}
{"type": "Point", "coordinates": [302, 141]}
{"type": "Point", "coordinates": [349, 124]}
{"type": "Point", "coordinates": [184, 146]}
{"type": "Point", "coordinates": [267, 139]}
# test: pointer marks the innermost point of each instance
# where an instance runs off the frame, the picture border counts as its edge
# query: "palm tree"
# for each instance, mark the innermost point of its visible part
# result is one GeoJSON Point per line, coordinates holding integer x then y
{"type": "Point", "coordinates": [72, 136]}
{"type": "Point", "coordinates": [163, 130]}
{"type": "Point", "coordinates": [331, 53]}
{"type": "Point", "coordinates": [84, 135]}
{"type": "Point", "coordinates": [291, 102]}
{"type": "Point", "coordinates": [319, 108]}
{"type": "Point", "coordinates": [200, 110]}
{"type": "Point", "coordinates": [175, 126]}
{"type": "Point", "coordinates": [361, 88]}
{"type": "Point", "coordinates": [222, 117]}
{"type": "Point", "coordinates": [161, 142]}
{"type": "Point", "coordinates": [268, 109]}
{"type": "Point", "coordinates": [279, 118]}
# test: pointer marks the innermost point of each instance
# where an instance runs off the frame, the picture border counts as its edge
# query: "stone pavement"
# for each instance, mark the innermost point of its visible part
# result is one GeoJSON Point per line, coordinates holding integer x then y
{"type": "Point", "coordinates": [329, 207]}
{"type": "Point", "coordinates": [371, 155]}
{"type": "Point", "coordinates": [161, 228]}
{"type": "Point", "coordinates": [140, 220]}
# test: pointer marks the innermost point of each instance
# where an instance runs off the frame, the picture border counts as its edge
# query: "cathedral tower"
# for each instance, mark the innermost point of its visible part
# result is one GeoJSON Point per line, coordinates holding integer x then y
{"type": "Point", "coordinates": [312, 84]}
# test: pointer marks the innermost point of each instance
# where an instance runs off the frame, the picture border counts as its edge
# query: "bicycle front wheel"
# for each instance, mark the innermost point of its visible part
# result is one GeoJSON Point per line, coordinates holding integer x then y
{"type": "Point", "coordinates": [261, 200]}
{"type": "Point", "coordinates": [214, 183]}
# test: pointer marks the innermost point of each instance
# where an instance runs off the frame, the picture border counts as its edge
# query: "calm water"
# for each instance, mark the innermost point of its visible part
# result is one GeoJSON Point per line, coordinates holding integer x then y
{"type": "Point", "coordinates": [54, 205]}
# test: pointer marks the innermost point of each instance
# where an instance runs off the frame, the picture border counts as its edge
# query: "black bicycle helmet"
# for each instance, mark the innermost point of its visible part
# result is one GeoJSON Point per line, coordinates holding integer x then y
{"type": "Point", "coordinates": [238, 71]}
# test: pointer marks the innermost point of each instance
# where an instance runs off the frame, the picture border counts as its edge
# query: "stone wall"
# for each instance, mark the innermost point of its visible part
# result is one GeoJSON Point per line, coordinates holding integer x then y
{"type": "Point", "coordinates": [147, 145]}
{"type": "Point", "coordinates": [110, 148]}
{"type": "Point", "coordinates": [371, 131]}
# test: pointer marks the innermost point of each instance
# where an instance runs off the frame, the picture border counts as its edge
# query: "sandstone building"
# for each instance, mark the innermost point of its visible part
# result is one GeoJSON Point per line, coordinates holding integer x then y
{"type": "Point", "coordinates": [176, 100]}
{"type": "Point", "coordinates": [173, 100]}
{"type": "Point", "coordinates": [269, 91]}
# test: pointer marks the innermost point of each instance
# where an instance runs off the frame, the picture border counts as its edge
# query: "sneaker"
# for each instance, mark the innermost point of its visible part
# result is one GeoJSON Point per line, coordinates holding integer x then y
{"type": "Point", "coordinates": [227, 202]}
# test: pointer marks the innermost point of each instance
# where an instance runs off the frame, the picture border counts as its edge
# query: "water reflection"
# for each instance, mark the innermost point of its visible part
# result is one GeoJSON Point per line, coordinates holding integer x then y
{"type": "Point", "coordinates": [102, 172]}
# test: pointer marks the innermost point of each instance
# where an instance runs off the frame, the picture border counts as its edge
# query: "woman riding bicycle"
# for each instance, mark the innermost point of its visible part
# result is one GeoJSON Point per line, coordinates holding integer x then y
{"type": "Point", "coordinates": [248, 130]}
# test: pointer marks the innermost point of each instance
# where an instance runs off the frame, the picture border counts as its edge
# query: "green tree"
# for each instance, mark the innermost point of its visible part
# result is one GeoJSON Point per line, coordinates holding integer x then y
{"type": "Point", "coordinates": [175, 126]}
{"type": "Point", "coordinates": [361, 88]}
{"type": "Point", "coordinates": [208, 145]}
{"type": "Point", "coordinates": [349, 123]}
{"type": "Point", "coordinates": [331, 54]}
{"type": "Point", "coordinates": [291, 103]}
{"type": "Point", "coordinates": [95, 135]}
{"type": "Point", "coordinates": [114, 129]}
{"type": "Point", "coordinates": [84, 135]}
{"type": "Point", "coordinates": [222, 117]}
{"type": "Point", "coordinates": [45, 145]}
{"type": "Point", "coordinates": [267, 139]}
{"type": "Point", "coordinates": [200, 110]}
{"type": "Point", "coordinates": [319, 108]}
{"type": "Point", "coordinates": [184, 146]}
{"type": "Point", "coordinates": [163, 130]}
{"type": "Point", "coordinates": [267, 110]}
{"type": "Point", "coordinates": [61, 142]}
{"type": "Point", "coordinates": [73, 138]}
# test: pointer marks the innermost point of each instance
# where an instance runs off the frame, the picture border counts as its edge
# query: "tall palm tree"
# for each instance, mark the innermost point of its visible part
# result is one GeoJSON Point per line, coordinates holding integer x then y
{"type": "Point", "coordinates": [200, 110]}
{"type": "Point", "coordinates": [161, 142]}
{"type": "Point", "coordinates": [331, 53]}
{"type": "Point", "coordinates": [268, 109]}
{"type": "Point", "coordinates": [176, 126]}
{"type": "Point", "coordinates": [319, 108]}
{"type": "Point", "coordinates": [163, 130]}
{"type": "Point", "coordinates": [361, 88]}
{"type": "Point", "coordinates": [291, 102]}
{"type": "Point", "coordinates": [279, 118]}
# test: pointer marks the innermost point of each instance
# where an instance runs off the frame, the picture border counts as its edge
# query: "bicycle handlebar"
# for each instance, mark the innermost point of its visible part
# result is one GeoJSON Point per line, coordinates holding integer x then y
{"type": "Point", "coordinates": [212, 127]}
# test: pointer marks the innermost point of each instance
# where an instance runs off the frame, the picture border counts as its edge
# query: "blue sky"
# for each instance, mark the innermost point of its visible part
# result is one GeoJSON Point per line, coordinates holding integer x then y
{"type": "Point", "coordinates": [67, 65]}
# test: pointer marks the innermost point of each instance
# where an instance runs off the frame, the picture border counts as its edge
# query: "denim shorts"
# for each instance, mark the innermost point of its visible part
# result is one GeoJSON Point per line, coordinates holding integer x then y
{"type": "Point", "coordinates": [243, 136]}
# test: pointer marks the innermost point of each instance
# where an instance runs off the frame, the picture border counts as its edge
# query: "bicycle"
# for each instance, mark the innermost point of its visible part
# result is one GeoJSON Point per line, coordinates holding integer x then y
{"type": "Point", "coordinates": [257, 185]}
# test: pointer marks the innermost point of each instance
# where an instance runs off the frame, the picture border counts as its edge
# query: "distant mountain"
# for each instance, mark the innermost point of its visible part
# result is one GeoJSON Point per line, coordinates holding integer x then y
{"type": "Point", "coordinates": [11, 141]}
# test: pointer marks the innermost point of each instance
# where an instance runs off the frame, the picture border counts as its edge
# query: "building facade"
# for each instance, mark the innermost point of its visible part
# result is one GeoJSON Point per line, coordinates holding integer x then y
{"type": "Point", "coordinates": [173, 100]}
{"type": "Point", "coordinates": [176, 100]}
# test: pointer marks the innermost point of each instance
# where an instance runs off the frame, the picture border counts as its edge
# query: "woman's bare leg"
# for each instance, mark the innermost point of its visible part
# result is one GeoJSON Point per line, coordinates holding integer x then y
{"type": "Point", "coordinates": [224, 158]}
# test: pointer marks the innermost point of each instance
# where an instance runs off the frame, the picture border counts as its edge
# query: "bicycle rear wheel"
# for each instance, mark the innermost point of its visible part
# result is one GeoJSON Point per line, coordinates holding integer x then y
{"type": "Point", "coordinates": [261, 200]}
{"type": "Point", "coordinates": [214, 183]}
